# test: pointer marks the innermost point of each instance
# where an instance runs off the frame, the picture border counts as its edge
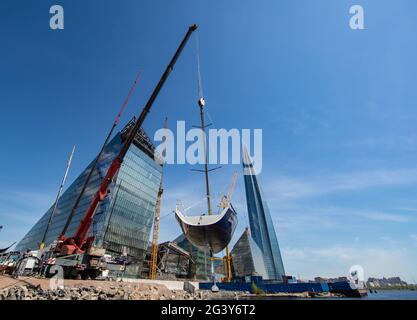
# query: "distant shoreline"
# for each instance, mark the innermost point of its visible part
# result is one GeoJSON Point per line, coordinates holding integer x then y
{"type": "Point", "coordinates": [391, 288]}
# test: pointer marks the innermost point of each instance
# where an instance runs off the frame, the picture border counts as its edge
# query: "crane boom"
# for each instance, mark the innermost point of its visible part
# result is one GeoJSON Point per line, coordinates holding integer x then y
{"type": "Point", "coordinates": [228, 198]}
{"type": "Point", "coordinates": [78, 242]}
{"type": "Point", "coordinates": [155, 236]}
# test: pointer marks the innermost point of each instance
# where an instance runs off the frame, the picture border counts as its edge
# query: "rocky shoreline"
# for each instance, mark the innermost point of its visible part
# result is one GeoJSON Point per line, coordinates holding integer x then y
{"type": "Point", "coordinates": [112, 292]}
{"type": "Point", "coordinates": [30, 288]}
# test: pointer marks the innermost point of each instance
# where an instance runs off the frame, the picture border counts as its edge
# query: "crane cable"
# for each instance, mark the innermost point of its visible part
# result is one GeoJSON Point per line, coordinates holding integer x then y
{"type": "Point", "coordinates": [186, 209]}
{"type": "Point", "coordinates": [199, 80]}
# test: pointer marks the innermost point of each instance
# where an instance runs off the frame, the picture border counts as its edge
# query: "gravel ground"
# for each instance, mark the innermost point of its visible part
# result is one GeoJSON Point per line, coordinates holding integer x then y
{"type": "Point", "coordinates": [38, 289]}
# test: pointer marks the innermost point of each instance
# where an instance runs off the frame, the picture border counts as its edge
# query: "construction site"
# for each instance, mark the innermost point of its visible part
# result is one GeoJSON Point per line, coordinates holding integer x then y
{"type": "Point", "coordinates": [99, 228]}
{"type": "Point", "coordinates": [100, 238]}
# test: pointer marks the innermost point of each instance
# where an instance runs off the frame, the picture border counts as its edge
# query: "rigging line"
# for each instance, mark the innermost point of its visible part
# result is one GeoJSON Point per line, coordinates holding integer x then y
{"type": "Point", "coordinates": [201, 104]}
{"type": "Point", "coordinates": [199, 78]}
{"type": "Point", "coordinates": [166, 215]}
{"type": "Point", "coordinates": [186, 209]}
{"type": "Point", "coordinates": [210, 117]}
{"type": "Point", "coordinates": [193, 205]}
{"type": "Point", "coordinates": [199, 81]}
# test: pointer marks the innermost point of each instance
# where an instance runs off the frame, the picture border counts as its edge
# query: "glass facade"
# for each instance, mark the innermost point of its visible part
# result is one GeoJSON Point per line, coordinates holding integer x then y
{"type": "Point", "coordinates": [247, 258]}
{"type": "Point", "coordinates": [123, 221]}
{"type": "Point", "coordinates": [260, 222]}
{"type": "Point", "coordinates": [201, 269]}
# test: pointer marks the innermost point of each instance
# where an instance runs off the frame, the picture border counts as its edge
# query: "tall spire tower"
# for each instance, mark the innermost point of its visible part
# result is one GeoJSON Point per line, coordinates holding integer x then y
{"type": "Point", "coordinates": [261, 225]}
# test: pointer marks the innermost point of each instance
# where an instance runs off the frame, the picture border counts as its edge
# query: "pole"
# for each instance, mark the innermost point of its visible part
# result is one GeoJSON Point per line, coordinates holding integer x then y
{"type": "Point", "coordinates": [228, 266]}
{"type": "Point", "coordinates": [42, 244]}
{"type": "Point", "coordinates": [201, 103]}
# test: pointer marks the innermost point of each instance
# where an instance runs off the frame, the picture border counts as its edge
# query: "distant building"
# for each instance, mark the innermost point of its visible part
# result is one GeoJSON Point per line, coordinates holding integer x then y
{"type": "Point", "coordinates": [247, 258]}
{"type": "Point", "coordinates": [201, 268]}
{"type": "Point", "coordinates": [123, 221]}
{"type": "Point", "coordinates": [220, 268]}
{"type": "Point", "coordinates": [320, 280]}
{"type": "Point", "coordinates": [386, 282]}
{"type": "Point", "coordinates": [261, 225]}
{"type": "Point", "coordinates": [327, 280]}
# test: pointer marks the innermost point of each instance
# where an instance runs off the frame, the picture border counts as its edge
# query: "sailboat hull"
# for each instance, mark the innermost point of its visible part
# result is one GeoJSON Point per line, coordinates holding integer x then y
{"type": "Point", "coordinates": [206, 232]}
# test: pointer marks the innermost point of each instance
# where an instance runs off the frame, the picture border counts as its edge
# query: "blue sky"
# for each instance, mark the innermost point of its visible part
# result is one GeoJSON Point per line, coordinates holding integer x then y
{"type": "Point", "coordinates": [337, 108]}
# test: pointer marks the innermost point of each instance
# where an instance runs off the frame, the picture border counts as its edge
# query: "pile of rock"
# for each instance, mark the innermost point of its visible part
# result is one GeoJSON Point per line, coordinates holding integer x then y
{"type": "Point", "coordinates": [115, 292]}
{"type": "Point", "coordinates": [75, 293]}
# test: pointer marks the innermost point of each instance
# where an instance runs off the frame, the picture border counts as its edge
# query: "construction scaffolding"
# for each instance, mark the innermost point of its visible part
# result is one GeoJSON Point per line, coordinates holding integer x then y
{"type": "Point", "coordinates": [173, 260]}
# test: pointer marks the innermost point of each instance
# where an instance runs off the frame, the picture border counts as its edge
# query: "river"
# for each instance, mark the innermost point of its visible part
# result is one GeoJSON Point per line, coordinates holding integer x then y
{"type": "Point", "coordinates": [392, 295]}
{"type": "Point", "coordinates": [380, 295]}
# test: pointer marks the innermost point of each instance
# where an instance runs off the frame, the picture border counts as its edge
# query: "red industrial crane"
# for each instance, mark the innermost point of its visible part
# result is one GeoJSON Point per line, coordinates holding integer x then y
{"type": "Point", "coordinates": [79, 243]}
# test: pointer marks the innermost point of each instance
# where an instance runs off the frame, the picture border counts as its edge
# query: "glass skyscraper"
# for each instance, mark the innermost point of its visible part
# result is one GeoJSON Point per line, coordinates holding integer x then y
{"type": "Point", "coordinates": [260, 222]}
{"type": "Point", "coordinates": [123, 221]}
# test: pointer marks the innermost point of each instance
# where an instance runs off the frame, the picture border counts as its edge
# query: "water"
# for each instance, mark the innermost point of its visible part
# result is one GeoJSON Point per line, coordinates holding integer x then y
{"type": "Point", "coordinates": [392, 295]}
{"type": "Point", "coordinates": [381, 295]}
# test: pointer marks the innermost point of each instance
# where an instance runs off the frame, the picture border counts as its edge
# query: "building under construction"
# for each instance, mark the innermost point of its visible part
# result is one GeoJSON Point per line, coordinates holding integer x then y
{"type": "Point", "coordinates": [179, 259]}
{"type": "Point", "coordinates": [123, 220]}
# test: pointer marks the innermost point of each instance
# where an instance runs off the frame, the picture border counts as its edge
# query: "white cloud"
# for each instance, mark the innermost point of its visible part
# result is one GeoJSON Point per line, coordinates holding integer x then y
{"type": "Point", "coordinates": [296, 202]}
{"type": "Point", "coordinates": [21, 198]}
{"type": "Point", "coordinates": [296, 206]}
{"type": "Point", "coordinates": [19, 210]}
{"type": "Point", "coordinates": [335, 260]}
{"type": "Point", "coordinates": [301, 217]}
{"type": "Point", "coordinates": [287, 188]}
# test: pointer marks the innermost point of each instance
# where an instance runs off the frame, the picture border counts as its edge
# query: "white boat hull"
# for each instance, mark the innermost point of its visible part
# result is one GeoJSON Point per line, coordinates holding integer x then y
{"type": "Point", "coordinates": [209, 232]}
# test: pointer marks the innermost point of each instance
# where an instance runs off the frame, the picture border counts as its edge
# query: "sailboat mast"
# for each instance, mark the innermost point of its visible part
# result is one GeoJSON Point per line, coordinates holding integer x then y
{"type": "Point", "coordinates": [201, 104]}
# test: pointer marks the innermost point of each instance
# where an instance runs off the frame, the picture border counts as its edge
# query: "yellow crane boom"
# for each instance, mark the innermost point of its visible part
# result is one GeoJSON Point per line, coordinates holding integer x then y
{"type": "Point", "coordinates": [154, 255]}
